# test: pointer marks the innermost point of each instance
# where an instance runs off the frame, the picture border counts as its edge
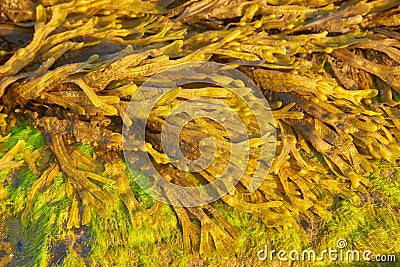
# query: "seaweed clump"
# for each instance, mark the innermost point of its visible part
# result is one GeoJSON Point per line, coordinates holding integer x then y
{"type": "Point", "coordinates": [330, 71]}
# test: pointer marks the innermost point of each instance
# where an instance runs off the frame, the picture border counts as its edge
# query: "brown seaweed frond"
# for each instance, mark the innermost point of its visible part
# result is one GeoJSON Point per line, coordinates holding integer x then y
{"type": "Point", "coordinates": [329, 69]}
{"type": "Point", "coordinates": [7, 162]}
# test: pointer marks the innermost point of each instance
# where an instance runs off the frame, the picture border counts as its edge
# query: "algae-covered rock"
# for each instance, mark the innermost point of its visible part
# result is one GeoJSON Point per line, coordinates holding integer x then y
{"type": "Point", "coordinates": [328, 69]}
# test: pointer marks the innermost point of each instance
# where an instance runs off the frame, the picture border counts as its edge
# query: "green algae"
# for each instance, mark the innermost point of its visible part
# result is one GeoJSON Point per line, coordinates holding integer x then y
{"type": "Point", "coordinates": [373, 224]}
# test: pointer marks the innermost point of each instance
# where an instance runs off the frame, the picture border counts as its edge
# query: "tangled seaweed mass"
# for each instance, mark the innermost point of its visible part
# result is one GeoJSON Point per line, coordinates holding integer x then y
{"type": "Point", "coordinates": [328, 68]}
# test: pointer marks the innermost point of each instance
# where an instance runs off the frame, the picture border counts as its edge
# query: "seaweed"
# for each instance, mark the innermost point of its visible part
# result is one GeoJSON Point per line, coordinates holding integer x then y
{"type": "Point", "coordinates": [329, 70]}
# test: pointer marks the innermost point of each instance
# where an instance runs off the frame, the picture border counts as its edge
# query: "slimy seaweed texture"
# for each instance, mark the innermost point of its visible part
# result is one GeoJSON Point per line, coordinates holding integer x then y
{"type": "Point", "coordinates": [329, 69]}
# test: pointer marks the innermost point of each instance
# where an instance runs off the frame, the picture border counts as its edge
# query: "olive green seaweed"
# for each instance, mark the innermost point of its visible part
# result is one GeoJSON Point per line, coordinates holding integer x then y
{"type": "Point", "coordinates": [330, 70]}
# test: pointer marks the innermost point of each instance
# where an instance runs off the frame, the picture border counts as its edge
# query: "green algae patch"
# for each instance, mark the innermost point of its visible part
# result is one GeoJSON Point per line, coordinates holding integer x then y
{"type": "Point", "coordinates": [42, 237]}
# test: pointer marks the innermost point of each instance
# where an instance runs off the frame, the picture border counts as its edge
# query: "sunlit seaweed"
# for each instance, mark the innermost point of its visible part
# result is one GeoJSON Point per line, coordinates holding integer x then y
{"type": "Point", "coordinates": [330, 72]}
